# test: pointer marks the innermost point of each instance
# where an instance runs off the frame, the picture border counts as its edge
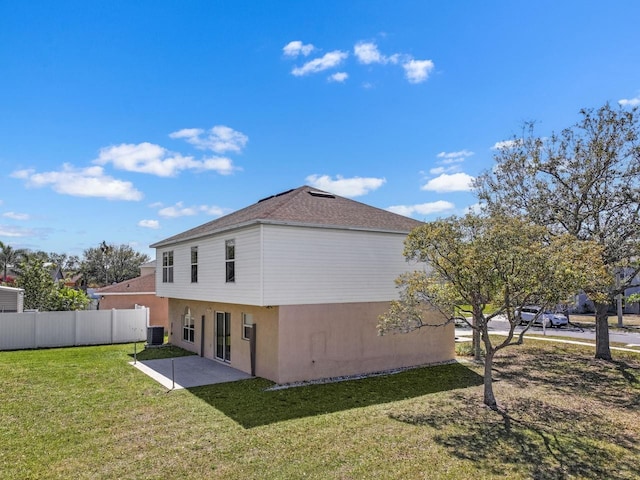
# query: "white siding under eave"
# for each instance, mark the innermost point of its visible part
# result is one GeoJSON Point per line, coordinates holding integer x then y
{"type": "Point", "coordinates": [11, 299]}
{"type": "Point", "coordinates": [211, 285]}
{"type": "Point", "coordinates": [304, 265]}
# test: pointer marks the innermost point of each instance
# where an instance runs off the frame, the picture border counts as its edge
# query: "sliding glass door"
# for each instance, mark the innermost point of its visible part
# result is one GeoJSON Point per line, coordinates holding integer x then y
{"type": "Point", "coordinates": [223, 336]}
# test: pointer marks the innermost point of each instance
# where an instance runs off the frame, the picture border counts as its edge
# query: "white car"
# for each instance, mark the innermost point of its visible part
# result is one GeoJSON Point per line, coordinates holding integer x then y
{"type": "Point", "coordinates": [546, 318]}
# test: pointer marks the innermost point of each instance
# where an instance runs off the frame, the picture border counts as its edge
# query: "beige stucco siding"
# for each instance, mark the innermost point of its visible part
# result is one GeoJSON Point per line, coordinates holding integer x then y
{"type": "Point", "coordinates": [306, 342]}
{"type": "Point", "coordinates": [319, 341]}
{"type": "Point", "coordinates": [266, 320]}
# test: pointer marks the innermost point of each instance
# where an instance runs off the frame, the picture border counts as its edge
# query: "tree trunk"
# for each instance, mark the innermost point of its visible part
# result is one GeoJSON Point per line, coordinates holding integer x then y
{"type": "Point", "coordinates": [477, 352]}
{"type": "Point", "coordinates": [489, 397]}
{"type": "Point", "coordinates": [602, 332]}
{"type": "Point", "coordinates": [478, 321]}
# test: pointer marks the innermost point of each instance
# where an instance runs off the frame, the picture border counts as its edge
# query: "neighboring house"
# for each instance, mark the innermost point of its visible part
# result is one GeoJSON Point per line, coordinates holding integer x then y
{"type": "Point", "coordinates": [584, 305]}
{"type": "Point", "coordinates": [56, 272]}
{"type": "Point", "coordinates": [11, 299]}
{"type": "Point", "coordinates": [291, 289]}
{"type": "Point", "coordinates": [136, 291]}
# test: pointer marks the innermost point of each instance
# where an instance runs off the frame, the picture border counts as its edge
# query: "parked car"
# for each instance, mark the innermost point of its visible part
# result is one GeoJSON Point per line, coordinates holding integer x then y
{"type": "Point", "coordinates": [546, 318]}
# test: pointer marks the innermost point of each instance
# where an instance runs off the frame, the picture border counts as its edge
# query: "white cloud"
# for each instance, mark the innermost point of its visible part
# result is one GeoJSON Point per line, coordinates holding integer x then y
{"type": "Point", "coordinates": [16, 216]}
{"type": "Point", "coordinates": [339, 77]}
{"type": "Point", "coordinates": [84, 182]}
{"type": "Point", "coordinates": [475, 209]}
{"type": "Point", "coordinates": [212, 210]}
{"type": "Point", "coordinates": [187, 133]}
{"type": "Point", "coordinates": [454, 157]}
{"type": "Point", "coordinates": [439, 170]}
{"type": "Point", "coordinates": [179, 210]}
{"type": "Point", "coordinates": [153, 224]}
{"type": "Point", "coordinates": [295, 48]}
{"type": "Point", "coordinates": [450, 162]}
{"type": "Point", "coordinates": [630, 102]}
{"type": "Point", "coordinates": [417, 71]}
{"type": "Point", "coordinates": [428, 208]}
{"type": "Point", "coordinates": [345, 187]}
{"type": "Point", "coordinates": [368, 53]}
{"type": "Point", "coordinates": [329, 60]}
{"type": "Point", "coordinates": [15, 232]}
{"type": "Point", "coordinates": [456, 182]}
{"type": "Point", "coordinates": [153, 159]}
{"type": "Point", "coordinates": [504, 144]}
{"type": "Point", "coordinates": [365, 52]}
{"type": "Point", "coordinates": [219, 139]}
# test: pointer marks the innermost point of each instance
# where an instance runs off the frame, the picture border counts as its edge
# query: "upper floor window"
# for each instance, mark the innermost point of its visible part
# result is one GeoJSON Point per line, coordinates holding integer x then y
{"type": "Point", "coordinates": [230, 260]}
{"type": "Point", "coordinates": [194, 264]}
{"type": "Point", "coordinates": [167, 267]}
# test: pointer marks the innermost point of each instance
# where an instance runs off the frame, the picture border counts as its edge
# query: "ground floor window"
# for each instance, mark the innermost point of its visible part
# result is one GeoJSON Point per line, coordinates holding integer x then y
{"type": "Point", "coordinates": [247, 325]}
{"type": "Point", "coordinates": [188, 326]}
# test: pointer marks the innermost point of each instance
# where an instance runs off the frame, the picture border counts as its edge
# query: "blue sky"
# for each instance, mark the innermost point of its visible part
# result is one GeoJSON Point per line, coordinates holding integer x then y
{"type": "Point", "coordinates": [130, 122]}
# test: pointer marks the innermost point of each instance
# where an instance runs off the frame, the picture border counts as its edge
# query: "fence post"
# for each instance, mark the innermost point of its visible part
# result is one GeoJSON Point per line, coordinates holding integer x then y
{"type": "Point", "coordinates": [75, 328]}
{"type": "Point", "coordinates": [35, 329]}
{"type": "Point", "coordinates": [113, 323]}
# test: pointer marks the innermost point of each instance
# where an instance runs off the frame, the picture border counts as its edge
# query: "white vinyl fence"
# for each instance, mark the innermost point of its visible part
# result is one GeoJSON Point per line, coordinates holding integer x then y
{"type": "Point", "coordinates": [64, 329]}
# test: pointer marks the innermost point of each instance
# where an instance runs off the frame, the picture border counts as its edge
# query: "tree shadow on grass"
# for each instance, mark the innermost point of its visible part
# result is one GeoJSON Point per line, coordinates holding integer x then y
{"type": "Point", "coordinates": [536, 439]}
{"type": "Point", "coordinates": [251, 404]}
{"type": "Point", "coordinates": [573, 373]}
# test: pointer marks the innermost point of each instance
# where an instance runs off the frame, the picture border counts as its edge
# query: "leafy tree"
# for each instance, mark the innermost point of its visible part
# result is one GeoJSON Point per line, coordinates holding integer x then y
{"type": "Point", "coordinates": [64, 299]}
{"type": "Point", "coordinates": [473, 262]}
{"type": "Point", "coordinates": [69, 264]}
{"type": "Point", "coordinates": [585, 182]}
{"type": "Point", "coordinates": [108, 264]}
{"type": "Point", "coordinates": [9, 257]}
{"type": "Point", "coordinates": [37, 283]}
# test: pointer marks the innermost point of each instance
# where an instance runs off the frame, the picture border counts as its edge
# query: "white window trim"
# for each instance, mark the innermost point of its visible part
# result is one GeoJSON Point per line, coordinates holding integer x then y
{"type": "Point", "coordinates": [247, 322]}
{"type": "Point", "coordinates": [188, 328]}
{"type": "Point", "coordinates": [194, 249]}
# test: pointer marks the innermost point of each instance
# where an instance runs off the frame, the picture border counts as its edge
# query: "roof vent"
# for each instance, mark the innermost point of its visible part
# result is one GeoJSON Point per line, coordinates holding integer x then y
{"type": "Point", "coordinates": [316, 193]}
{"type": "Point", "coordinates": [276, 195]}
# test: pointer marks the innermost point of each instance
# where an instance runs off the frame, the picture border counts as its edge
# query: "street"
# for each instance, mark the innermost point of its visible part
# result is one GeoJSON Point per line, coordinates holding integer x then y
{"type": "Point", "coordinates": [500, 326]}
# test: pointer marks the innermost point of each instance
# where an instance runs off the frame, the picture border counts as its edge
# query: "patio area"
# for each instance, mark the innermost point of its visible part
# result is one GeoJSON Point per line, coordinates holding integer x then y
{"type": "Point", "coordinates": [189, 371]}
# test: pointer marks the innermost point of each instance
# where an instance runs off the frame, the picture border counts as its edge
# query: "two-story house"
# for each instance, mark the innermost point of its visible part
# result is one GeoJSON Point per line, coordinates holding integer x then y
{"type": "Point", "coordinates": [290, 289]}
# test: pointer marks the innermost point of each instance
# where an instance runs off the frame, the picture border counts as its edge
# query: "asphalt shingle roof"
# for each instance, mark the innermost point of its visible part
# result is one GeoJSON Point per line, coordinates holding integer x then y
{"type": "Point", "coordinates": [303, 206]}
{"type": "Point", "coordinates": [146, 283]}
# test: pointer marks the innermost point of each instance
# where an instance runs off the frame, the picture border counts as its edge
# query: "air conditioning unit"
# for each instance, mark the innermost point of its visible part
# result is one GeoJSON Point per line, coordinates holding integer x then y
{"type": "Point", "coordinates": [155, 335]}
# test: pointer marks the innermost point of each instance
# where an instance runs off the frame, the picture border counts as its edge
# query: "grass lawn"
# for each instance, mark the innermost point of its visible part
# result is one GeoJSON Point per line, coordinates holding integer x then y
{"type": "Point", "coordinates": [85, 413]}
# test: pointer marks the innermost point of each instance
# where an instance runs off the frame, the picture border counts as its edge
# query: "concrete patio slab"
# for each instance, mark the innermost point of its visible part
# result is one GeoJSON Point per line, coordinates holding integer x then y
{"type": "Point", "coordinates": [190, 371]}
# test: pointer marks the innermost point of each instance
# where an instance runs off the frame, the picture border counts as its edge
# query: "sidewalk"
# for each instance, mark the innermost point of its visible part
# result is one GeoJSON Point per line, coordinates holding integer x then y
{"type": "Point", "coordinates": [464, 335]}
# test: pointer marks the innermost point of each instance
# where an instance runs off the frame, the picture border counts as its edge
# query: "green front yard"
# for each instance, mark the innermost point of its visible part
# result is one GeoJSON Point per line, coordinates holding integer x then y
{"type": "Point", "coordinates": [86, 413]}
